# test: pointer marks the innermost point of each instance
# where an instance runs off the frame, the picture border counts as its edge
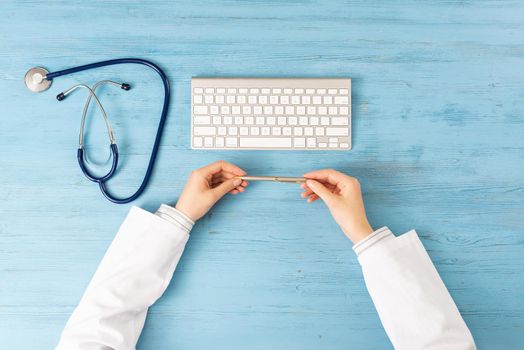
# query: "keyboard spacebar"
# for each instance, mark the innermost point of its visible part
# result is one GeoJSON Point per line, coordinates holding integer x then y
{"type": "Point", "coordinates": [265, 142]}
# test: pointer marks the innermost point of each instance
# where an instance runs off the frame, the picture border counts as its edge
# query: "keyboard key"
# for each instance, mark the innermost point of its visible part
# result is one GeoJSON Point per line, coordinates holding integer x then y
{"type": "Point", "coordinates": [268, 110]}
{"type": "Point", "coordinates": [208, 99]}
{"type": "Point", "coordinates": [333, 140]}
{"type": "Point", "coordinates": [219, 141]}
{"type": "Point", "coordinates": [333, 145]}
{"type": "Point", "coordinates": [298, 131]}
{"type": "Point", "coordinates": [246, 110]}
{"type": "Point", "coordinates": [282, 121]}
{"type": "Point", "coordinates": [284, 100]}
{"type": "Point", "coordinates": [260, 120]}
{"type": "Point", "coordinates": [311, 111]}
{"type": "Point", "coordinates": [265, 91]}
{"type": "Point", "coordinates": [252, 100]}
{"type": "Point", "coordinates": [343, 111]}
{"type": "Point", "coordinates": [288, 91]}
{"type": "Point", "coordinates": [333, 110]}
{"type": "Point", "coordinates": [202, 120]}
{"type": "Point", "coordinates": [310, 91]}
{"type": "Point", "coordinates": [254, 91]}
{"type": "Point", "coordinates": [270, 120]}
{"type": "Point", "coordinates": [220, 99]}
{"type": "Point", "coordinates": [204, 130]}
{"type": "Point", "coordinates": [319, 131]}
{"type": "Point", "coordinates": [322, 144]}
{"type": "Point", "coordinates": [311, 142]}
{"type": "Point", "coordinates": [299, 91]}
{"type": "Point", "coordinates": [324, 121]}
{"type": "Point", "coordinates": [198, 90]}
{"type": "Point", "coordinates": [321, 91]}
{"type": "Point", "coordinates": [208, 141]}
{"type": "Point", "coordinates": [292, 120]}
{"type": "Point", "coordinates": [231, 142]}
{"type": "Point", "coordinates": [255, 131]}
{"type": "Point", "coordinates": [242, 91]}
{"type": "Point", "coordinates": [277, 131]}
{"type": "Point", "coordinates": [213, 110]}
{"type": "Point", "coordinates": [233, 130]}
{"type": "Point", "coordinates": [228, 120]}
{"type": "Point", "coordinates": [230, 99]}
{"type": "Point", "coordinates": [314, 121]}
{"type": "Point", "coordinates": [222, 130]}
{"type": "Point", "coordinates": [286, 131]}
{"type": "Point", "coordinates": [344, 145]}
{"type": "Point", "coordinates": [210, 91]}
{"type": "Point", "coordinates": [308, 131]}
{"type": "Point", "coordinates": [224, 109]}
{"type": "Point", "coordinates": [266, 131]}
{"type": "Point", "coordinates": [301, 110]}
{"type": "Point", "coordinates": [322, 110]}
{"type": "Point", "coordinates": [306, 100]}
{"type": "Point", "coordinates": [200, 109]}
{"type": "Point", "coordinates": [317, 100]}
{"type": "Point", "coordinates": [299, 142]}
{"type": "Point", "coordinates": [197, 142]}
{"type": "Point", "coordinates": [279, 110]}
{"type": "Point", "coordinates": [343, 91]}
{"type": "Point", "coordinates": [217, 120]}
{"type": "Point", "coordinates": [235, 110]}
{"type": "Point", "coordinates": [303, 120]}
{"type": "Point", "coordinates": [241, 100]}
{"type": "Point", "coordinates": [265, 142]}
{"type": "Point", "coordinates": [239, 120]}
{"type": "Point", "coordinates": [328, 100]}
{"type": "Point", "coordinates": [295, 100]}
{"type": "Point", "coordinates": [257, 110]}
{"type": "Point", "coordinates": [339, 121]}
{"type": "Point", "coordinates": [231, 91]}
{"type": "Point", "coordinates": [197, 99]}
{"type": "Point", "coordinates": [262, 100]}
{"type": "Point", "coordinates": [341, 100]}
{"type": "Point", "coordinates": [244, 131]}
{"type": "Point", "coordinates": [273, 100]}
{"type": "Point", "coordinates": [249, 120]}
{"type": "Point", "coordinates": [277, 91]}
{"type": "Point", "coordinates": [337, 131]}
{"type": "Point", "coordinates": [332, 91]}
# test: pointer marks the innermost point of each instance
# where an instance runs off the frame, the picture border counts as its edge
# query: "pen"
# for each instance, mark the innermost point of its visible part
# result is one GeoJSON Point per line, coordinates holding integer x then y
{"type": "Point", "coordinates": [273, 178]}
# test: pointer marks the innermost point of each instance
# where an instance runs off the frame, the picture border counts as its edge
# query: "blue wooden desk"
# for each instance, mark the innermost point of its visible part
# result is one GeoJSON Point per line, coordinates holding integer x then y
{"type": "Point", "coordinates": [438, 107]}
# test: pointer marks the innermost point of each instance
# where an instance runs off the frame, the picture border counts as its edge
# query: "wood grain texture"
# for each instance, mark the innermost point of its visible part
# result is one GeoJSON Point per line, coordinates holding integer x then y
{"type": "Point", "coordinates": [438, 107]}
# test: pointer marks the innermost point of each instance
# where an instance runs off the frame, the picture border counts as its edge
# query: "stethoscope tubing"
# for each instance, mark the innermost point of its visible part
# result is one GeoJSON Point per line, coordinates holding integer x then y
{"type": "Point", "coordinates": [114, 150]}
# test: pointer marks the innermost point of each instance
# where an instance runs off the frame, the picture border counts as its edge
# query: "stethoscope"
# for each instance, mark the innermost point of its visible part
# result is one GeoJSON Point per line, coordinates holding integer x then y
{"type": "Point", "coordinates": [38, 79]}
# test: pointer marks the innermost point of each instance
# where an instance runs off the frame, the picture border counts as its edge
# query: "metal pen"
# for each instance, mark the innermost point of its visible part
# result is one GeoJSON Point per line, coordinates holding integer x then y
{"type": "Point", "coordinates": [273, 178]}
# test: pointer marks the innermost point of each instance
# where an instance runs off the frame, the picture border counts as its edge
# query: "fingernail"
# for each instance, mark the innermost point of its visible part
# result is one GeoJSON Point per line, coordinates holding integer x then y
{"type": "Point", "coordinates": [310, 183]}
{"type": "Point", "coordinates": [237, 182]}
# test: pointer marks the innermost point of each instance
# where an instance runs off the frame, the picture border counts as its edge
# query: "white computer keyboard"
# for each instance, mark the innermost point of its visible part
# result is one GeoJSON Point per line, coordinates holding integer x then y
{"type": "Point", "coordinates": [266, 114]}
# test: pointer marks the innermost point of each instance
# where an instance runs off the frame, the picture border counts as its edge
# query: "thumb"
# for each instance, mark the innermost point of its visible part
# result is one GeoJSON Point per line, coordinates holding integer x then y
{"type": "Point", "coordinates": [226, 186]}
{"type": "Point", "coordinates": [320, 190]}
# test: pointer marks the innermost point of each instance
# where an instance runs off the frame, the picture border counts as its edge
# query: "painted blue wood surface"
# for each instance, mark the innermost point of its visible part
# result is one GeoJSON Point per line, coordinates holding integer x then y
{"type": "Point", "coordinates": [438, 107]}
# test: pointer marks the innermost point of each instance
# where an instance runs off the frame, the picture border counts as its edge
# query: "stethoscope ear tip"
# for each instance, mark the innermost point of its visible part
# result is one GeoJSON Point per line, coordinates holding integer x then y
{"type": "Point", "coordinates": [35, 79]}
{"type": "Point", "coordinates": [125, 86]}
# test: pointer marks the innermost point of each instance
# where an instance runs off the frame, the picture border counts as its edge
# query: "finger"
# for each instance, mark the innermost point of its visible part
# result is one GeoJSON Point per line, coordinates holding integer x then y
{"type": "Point", "coordinates": [320, 190]}
{"type": "Point", "coordinates": [328, 175]}
{"type": "Point", "coordinates": [226, 186]}
{"type": "Point", "coordinates": [307, 193]}
{"type": "Point", "coordinates": [312, 198]}
{"type": "Point", "coordinates": [219, 166]}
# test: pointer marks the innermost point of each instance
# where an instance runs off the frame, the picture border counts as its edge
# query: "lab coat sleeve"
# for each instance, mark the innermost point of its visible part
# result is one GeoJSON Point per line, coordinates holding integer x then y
{"type": "Point", "coordinates": [413, 303]}
{"type": "Point", "coordinates": [133, 274]}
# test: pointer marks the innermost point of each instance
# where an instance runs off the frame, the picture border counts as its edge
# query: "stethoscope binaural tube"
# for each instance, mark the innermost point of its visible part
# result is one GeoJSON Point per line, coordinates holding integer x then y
{"type": "Point", "coordinates": [114, 150]}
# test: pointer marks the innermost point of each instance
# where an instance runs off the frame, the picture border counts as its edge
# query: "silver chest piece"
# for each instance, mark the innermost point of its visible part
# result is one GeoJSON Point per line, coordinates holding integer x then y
{"type": "Point", "coordinates": [35, 79]}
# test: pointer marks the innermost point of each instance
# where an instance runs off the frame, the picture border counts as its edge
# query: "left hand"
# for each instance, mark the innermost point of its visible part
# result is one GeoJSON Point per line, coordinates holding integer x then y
{"type": "Point", "coordinates": [207, 185]}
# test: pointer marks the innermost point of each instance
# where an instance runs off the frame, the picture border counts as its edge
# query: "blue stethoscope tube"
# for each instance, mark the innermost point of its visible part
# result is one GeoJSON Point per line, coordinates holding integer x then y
{"type": "Point", "coordinates": [114, 150]}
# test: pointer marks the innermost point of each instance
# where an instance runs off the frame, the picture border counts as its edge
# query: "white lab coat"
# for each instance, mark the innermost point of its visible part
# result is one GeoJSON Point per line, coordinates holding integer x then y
{"type": "Point", "coordinates": [414, 306]}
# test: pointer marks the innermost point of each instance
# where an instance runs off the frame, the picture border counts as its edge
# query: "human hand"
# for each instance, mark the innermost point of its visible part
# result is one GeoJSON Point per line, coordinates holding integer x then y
{"type": "Point", "coordinates": [207, 185]}
{"type": "Point", "coordinates": [343, 197]}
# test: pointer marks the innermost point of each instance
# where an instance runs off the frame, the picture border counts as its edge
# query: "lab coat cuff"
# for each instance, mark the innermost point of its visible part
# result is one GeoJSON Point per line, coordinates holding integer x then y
{"type": "Point", "coordinates": [380, 235]}
{"type": "Point", "coordinates": [175, 217]}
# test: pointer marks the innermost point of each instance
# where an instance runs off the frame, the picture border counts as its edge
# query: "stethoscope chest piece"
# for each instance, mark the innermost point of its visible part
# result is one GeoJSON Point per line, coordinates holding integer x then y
{"type": "Point", "coordinates": [35, 79]}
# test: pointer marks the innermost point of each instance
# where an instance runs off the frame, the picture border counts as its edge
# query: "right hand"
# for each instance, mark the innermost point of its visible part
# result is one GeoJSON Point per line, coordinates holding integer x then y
{"type": "Point", "coordinates": [343, 197]}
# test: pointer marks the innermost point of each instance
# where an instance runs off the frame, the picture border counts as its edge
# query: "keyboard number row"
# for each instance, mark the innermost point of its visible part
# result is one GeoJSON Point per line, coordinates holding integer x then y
{"type": "Point", "coordinates": [270, 110]}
